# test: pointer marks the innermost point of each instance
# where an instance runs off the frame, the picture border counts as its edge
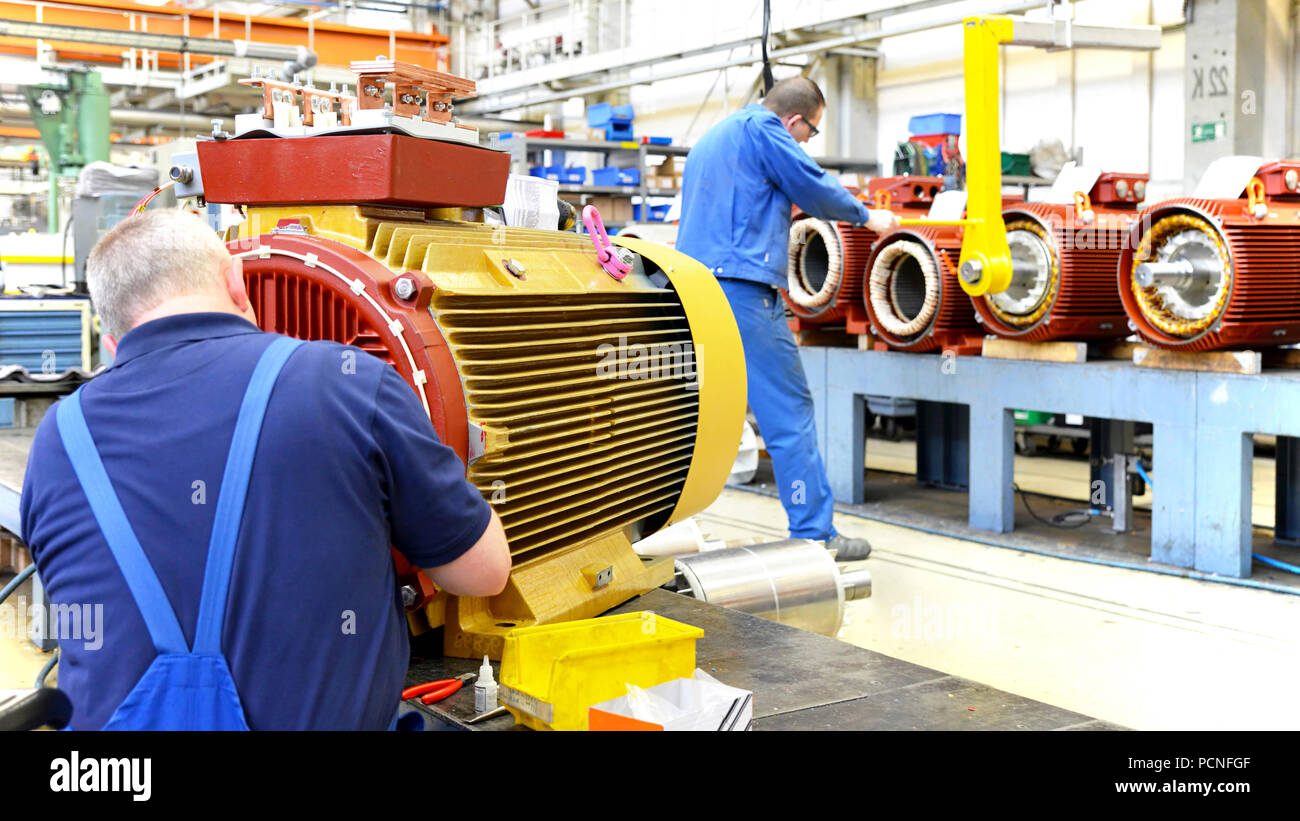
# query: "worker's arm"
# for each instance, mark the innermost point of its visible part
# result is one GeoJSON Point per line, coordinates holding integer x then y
{"type": "Point", "coordinates": [803, 181]}
{"type": "Point", "coordinates": [437, 519]}
{"type": "Point", "coordinates": [480, 571]}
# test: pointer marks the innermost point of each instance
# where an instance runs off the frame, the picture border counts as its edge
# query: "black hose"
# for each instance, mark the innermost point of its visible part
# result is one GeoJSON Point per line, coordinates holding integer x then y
{"type": "Point", "coordinates": [768, 80]}
{"type": "Point", "coordinates": [45, 671]}
{"type": "Point", "coordinates": [1067, 520]}
{"type": "Point", "coordinates": [17, 581]}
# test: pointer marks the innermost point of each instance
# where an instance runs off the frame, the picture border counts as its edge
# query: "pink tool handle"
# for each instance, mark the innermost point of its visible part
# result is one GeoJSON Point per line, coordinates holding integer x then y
{"type": "Point", "coordinates": [613, 266]}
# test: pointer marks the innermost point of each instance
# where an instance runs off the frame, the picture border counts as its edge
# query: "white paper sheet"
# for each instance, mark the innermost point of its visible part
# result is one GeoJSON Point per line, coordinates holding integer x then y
{"type": "Point", "coordinates": [530, 202]}
{"type": "Point", "coordinates": [1227, 177]}
{"type": "Point", "coordinates": [1072, 178]}
{"type": "Point", "coordinates": [948, 205]}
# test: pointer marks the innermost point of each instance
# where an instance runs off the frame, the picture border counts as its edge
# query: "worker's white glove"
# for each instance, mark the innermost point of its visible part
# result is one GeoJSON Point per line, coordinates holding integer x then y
{"type": "Point", "coordinates": [881, 220]}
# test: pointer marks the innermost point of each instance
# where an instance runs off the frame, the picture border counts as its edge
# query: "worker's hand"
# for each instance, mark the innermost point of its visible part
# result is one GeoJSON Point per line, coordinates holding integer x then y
{"type": "Point", "coordinates": [882, 220]}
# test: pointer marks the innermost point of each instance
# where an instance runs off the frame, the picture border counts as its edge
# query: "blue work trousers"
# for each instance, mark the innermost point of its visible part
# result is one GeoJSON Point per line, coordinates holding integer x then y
{"type": "Point", "coordinates": [783, 405]}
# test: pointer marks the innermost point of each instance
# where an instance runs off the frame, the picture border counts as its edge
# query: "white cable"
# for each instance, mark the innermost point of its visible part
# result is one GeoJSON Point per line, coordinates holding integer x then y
{"type": "Point", "coordinates": [796, 285]}
{"type": "Point", "coordinates": [880, 287]}
{"type": "Point", "coordinates": [357, 287]}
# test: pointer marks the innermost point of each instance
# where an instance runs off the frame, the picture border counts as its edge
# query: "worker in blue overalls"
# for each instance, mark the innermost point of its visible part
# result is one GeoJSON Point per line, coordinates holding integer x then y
{"type": "Point", "coordinates": [229, 497]}
{"type": "Point", "coordinates": [740, 180]}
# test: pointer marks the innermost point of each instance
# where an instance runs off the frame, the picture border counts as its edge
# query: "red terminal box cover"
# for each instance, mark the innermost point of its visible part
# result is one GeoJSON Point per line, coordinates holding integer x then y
{"type": "Point", "coordinates": [381, 169]}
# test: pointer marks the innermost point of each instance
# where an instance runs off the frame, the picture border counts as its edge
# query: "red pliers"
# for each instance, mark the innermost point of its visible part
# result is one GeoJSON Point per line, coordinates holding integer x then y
{"type": "Point", "coordinates": [432, 691]}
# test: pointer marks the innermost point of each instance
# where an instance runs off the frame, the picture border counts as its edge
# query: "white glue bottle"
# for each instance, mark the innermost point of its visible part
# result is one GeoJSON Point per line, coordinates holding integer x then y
{"type": "Point", "coordinates": [485, 689]}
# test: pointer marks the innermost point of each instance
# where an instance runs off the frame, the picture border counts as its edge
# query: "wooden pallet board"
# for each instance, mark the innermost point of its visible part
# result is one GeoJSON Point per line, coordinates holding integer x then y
{"type": "Point", "coordinates": [998, 348]}
{"type": "Point", "coordinates": [1248, 363]}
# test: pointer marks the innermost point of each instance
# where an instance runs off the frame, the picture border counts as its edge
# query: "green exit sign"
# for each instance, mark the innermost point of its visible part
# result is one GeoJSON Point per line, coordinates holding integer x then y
{"type": "Point", "coordinates": [1204, 132]}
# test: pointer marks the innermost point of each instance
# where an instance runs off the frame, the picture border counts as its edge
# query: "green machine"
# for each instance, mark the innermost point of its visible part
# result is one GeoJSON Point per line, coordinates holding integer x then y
{"type": "Point", "coordinates": [73, 118]}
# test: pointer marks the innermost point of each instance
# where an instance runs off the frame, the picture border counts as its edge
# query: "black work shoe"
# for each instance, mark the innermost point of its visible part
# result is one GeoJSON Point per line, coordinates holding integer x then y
{"type": "Point", "coordinates": [848, 550]}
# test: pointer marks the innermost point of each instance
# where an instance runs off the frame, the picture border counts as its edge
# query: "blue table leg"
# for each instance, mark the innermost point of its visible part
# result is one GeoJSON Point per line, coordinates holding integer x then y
{"type": "Point", "coordinates": [992, 468]}
{"type": "Point", "coordinates": [845, 450]}
{"type": "Point", "coordinates": [1173, 499]}
{"type": "Point", "coordinates": [1223, 468]}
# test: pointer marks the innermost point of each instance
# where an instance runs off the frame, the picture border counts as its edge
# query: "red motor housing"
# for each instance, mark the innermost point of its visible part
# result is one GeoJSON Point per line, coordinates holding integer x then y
{"type": "Point", "coordinates": [1218, 274]}
{"type": "Point", "coordinates": [1063, 261]}
{"type": "Point", "coordinates": [828, 260]}
{"type": "Point", "coordinates": [911, 293]}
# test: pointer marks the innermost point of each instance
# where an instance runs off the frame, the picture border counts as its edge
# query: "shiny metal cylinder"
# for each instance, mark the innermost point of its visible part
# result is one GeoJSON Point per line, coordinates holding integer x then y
{"type": "Point", "coordinates": [856, 584]}
{"type": "Point", "coordinates": [795, 582]}
{"type": "Point", "coordinates": [1178, 273]}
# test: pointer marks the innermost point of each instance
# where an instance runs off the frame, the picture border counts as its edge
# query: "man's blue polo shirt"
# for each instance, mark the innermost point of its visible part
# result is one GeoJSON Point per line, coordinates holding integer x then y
{"type": "Point", "coordinates": [347, 464]}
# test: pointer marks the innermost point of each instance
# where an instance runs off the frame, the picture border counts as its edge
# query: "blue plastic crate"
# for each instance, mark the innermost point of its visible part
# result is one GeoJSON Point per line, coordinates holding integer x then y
{"type": "Point", "coordinates": [576, 175]}
{"type": "Point", "coordinates": [615, 176]}
{"type": "Point", "coordinates": [657, 213]}
{"type": "Point", "coordinates": [924, 124]}
{"type": "Point", "coordinates": [619, 132]}
{"type": "Point", "coordinates": [554, 172]}
{"type": "Point", "coordinates": [603, 114]}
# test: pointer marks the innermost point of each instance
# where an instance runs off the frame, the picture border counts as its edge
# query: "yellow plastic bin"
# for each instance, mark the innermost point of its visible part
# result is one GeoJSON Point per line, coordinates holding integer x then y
{"type": "Point", "coordinates": [551, 674]}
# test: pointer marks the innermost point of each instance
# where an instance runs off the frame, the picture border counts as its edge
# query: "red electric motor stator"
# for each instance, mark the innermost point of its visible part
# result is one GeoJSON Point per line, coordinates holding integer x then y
{"type": "Point", "coordinates": [1211, 274]}
{"type": "Point", "coordinates": [911, 294]}
{"type": "Point", "coordinates": [827, 260]}
{"type": "Point", "coordinates": [1063, 261]}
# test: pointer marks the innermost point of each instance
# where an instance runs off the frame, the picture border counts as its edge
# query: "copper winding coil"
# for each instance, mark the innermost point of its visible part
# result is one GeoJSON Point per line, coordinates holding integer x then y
{"type": "Point", "coordinates": [912, 296]}
{"type": "Point", "coordinates": [1153, 300]}
{"type": "Point", "coordinates": [1241, 288]}
{"type": "Point", "coordinates": [1053, 279]}
{"type": "Point", "coordinates": [883, 286]}
{"type": "Point", "coordinates": [801, 290]}
{"type": "Point", "coordinates": [836, 296]}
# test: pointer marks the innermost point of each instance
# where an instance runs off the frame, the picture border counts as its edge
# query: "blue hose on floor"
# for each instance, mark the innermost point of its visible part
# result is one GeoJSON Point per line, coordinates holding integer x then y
{"type": "Point", "coordinates": [1146, 477]}
{"type": "Point", "coordinates": [16, 581]}
{"type": "Point", "coordinates": [1290, 568]}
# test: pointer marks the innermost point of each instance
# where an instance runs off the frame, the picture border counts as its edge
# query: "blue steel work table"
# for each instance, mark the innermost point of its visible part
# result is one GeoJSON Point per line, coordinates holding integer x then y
{"type": "Point", "coordinates": [1202, 422]}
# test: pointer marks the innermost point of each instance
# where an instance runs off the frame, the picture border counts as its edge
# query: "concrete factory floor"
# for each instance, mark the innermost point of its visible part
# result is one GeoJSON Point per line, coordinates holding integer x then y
{"type": "Point", "coordinates": [1136, 648]}
{"type": "Point", "coordinates": [1139, 649]}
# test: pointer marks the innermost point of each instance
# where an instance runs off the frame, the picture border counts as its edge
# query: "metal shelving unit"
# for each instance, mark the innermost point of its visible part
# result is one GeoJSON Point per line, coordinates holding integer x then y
{"type": "Point", "coordinates": [1024, 182]}
{"type": "Point", "coordinates": [521, 148]}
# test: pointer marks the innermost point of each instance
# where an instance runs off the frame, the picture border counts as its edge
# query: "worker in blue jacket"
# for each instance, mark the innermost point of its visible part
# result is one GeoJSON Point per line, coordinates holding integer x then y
{"type": "Point", "coordinates": [737, 189]}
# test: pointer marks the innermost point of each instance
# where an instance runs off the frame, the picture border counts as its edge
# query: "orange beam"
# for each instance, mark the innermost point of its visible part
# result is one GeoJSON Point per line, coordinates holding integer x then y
{"type": "Point", "coordinates": [334, 44]}
{"type": "Point", "coordinates": [18, 132]}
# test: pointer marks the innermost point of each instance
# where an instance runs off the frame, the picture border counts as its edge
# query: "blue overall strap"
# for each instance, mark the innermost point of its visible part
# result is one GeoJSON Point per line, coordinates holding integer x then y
{"type": "Point", "coordinates": [234, 490]}
{"type": "Point", "coordinates": [107, 509]}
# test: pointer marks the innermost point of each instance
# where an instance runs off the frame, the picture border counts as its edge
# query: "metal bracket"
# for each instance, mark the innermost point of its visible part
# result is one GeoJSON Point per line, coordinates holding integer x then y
{"type": "Point", "coordinates": [186, 175]}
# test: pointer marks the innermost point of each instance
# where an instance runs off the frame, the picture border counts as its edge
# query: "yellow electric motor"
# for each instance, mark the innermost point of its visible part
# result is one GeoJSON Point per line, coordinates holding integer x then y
{"type": "Point", "coordinates": [590, 411]}
{"type": "Point", "coordinates": [596, 394]}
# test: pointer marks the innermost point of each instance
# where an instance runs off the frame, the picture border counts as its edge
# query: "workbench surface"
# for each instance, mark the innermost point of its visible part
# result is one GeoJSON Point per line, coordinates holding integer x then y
{"type": "Point", "coordinates": [802, 681]}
